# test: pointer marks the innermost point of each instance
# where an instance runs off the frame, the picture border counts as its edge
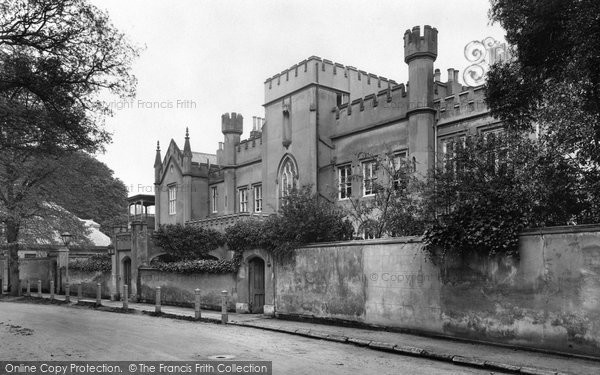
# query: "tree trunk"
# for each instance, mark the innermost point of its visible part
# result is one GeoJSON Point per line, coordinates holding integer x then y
{"type": "Point", "coordinates": [12, 234]}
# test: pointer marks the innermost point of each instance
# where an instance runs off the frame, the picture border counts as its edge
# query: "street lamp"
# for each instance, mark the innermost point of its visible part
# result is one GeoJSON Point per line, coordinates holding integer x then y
{"type": "Point", "coordinates": [66, 239]}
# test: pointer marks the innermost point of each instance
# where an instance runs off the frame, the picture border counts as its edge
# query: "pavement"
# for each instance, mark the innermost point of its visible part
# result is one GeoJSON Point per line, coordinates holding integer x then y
{"type": "Point", "coordinates": [462, 353]}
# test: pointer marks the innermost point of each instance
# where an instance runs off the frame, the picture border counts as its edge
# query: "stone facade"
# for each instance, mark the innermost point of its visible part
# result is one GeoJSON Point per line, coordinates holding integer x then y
{"type": "Point", "coordinates": [319, 115]}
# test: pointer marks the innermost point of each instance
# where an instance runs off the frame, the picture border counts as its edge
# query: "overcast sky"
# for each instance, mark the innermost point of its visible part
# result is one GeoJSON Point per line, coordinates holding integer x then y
{"type": "Point", "coordinates": [212, 57]}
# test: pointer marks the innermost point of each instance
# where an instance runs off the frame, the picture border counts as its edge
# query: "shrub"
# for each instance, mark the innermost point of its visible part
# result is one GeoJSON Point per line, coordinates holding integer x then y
{"type": "Point", "coordinates": [187, 242]}
{"type": "Point", "coordinates": [95, 263]}
{"type": "Point", "coordinates": [203, 265]}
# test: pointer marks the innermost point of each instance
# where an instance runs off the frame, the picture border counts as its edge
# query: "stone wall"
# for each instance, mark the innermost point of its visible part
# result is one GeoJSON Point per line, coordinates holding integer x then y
{"type": "Point", "coordinates": [89, 281]}
{"type": "Point", "coordinates": [34, 269]}
{"type": "Point", "coordinates": [548, 299]}
{"type": "Point", "coordinates": [178, 289]}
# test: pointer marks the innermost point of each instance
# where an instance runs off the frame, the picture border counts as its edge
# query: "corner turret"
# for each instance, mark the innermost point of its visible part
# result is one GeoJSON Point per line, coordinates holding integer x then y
{"type": "Point", "coordinates": [232, 124]}
{"type": "Point", "coordinates": [420, 51]}
{"type": "Point", "coordinates": [416, 45]}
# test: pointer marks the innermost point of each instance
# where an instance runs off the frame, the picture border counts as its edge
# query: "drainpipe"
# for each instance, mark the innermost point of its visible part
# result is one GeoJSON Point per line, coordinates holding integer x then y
{"type": "Point", "coordinates": [317, 129]}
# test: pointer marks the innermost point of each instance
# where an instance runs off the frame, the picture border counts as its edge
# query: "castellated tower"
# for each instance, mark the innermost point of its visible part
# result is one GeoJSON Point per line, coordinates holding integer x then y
{"type": "Point", "coordinates": [232, 127]}
{"type": "Point", "coordinates": [420, 51]}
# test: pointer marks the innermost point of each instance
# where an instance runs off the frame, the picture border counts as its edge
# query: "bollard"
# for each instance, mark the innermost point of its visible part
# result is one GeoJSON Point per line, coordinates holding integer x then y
{"type": "Point", "coordinates": [79, 292]}
{"type": "Point", "coordinates": [19, 286]}
{"type": "Point", "coordinates": [224, 317]}
{"type": "Point", "coordinates": [51, 290]}
{"type": "Point", "coordinates": [197, 305]}
{"type": "Point", "coordinates": [125, 297]}
{"type": "Point", "coordinates": [28, 288]}
{"type": "Point", "coordinates": [40, 288]}
{"type": "Point", "coordinates": [157, 301]}
{"type": "Point", "coordinates": [67, 293]}
{"type": "Point", "coordinates": [99, 294]}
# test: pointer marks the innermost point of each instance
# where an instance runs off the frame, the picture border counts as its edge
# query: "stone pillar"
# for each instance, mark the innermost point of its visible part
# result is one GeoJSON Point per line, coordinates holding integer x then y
{"type": "Point", "coordinates": [125, 297]}
{"type": "Point", "coordinates": [67, 292]}
{"type": "Point", "coordinates": [28, 288]}
{"type": "Point", "coordinates": [79, 292]}
{"type": "Point", "coordinates": [157, 301]}
{"type": "Point", "coordinates": [51, 289]}
{"type": "Point", "coordinates": [40, 288]}
{"type": "Point", "coordinates": [224, 316]}
{"type": "Point", "coordinates": [198, 314]}
{"type": "Point", "coordinates": [98, 294]}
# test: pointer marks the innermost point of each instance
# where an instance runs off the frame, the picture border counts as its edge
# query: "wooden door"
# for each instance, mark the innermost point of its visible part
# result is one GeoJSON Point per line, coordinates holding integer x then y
{"type": "Point", "coordinates": [257, 284]}
{"type": "Point", "coordinates": [126, 274]}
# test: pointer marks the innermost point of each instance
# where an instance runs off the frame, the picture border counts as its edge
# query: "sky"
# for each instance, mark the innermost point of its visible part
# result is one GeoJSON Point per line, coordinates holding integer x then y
{"type": "Point", "coordinates": [203, 58]}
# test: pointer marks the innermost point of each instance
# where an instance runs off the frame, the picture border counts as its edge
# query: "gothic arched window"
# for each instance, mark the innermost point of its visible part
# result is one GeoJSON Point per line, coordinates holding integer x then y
{"type": "Point", "coordinates": [288, 177]}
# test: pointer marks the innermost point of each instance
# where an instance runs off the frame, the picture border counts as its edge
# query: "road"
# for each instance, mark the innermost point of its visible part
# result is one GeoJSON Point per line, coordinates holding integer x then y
{"type": "Point", "coordinates": [49, 332]}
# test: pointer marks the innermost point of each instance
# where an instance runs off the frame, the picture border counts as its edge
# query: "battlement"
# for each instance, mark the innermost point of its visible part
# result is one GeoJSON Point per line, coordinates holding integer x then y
{"type": "Point", "coordinates": [315, 70]}
{"type": "Point", "coordinates": [390, 103]}
{"type": "Point", "coordinates": [416, 45]}
{"type": "Point", "coordinates": [469, 101]}
{"type": "Point", "coordinates": [233, 123]}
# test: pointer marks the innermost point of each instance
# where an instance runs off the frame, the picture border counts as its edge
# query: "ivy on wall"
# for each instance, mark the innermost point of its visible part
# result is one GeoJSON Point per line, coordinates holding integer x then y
{"type": "Point", "coordinates": [200, 265]}
{"type": "Point", "coordinates": [95, 263]}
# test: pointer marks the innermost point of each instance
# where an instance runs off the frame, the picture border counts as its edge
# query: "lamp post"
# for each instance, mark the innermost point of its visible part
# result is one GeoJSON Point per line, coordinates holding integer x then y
{"type": "Point", "coordinates": [64, 259]}
{"type": "Point", "coordinates": [113, 278]}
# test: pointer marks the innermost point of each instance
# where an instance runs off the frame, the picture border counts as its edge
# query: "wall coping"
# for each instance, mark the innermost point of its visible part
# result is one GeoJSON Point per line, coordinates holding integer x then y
{"type": "Point", "coordinates": [376, 241]}
{"type": "Point", "coordinates": [561, 229]}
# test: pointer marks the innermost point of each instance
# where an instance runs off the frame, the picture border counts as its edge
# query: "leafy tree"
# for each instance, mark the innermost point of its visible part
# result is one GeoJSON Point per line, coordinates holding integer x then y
{"type": "Point", "coordinates": [303, 218]}
{"type": "Point", "coordinates": [56, 58]}
{"type": "Point", "coordinates": [187, 242]}
{"type": "Point", "coordinates": [86, 187]}
{"type": "Point", "coordinates": [395, 207]}
{"type": "Point", "coordinates": [553, 83]}
{"type": "Point", "coordinates": [495, 186]}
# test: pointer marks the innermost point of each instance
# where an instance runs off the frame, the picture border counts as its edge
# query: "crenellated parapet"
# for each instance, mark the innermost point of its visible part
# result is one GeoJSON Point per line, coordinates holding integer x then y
{"type": "Point", "coordinates": [315, 70]}
{"type": "Point", "coordinates": [468, 102]}
{"type": "Point", "coordinates": [232, 123]}
{"type": "Point", "coordinates": [417, 45]}
{"type": "Point", "coordinates": [387, 104]}
{"type": "Point", "coordinates": [249, 149]}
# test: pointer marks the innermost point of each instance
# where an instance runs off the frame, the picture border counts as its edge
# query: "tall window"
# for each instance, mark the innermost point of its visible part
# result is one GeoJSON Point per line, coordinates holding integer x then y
{"type": "Point", "coordinates": [288, 177]}
{"type": "Point", "coordinates": [398, 169]}
{"type": "Point", "coordinates": [243, 195]}
{"type": "Point", "coordinates": [344, 182]}
{"type": "Point", "coordinates": [258, 198]}
{"type": "Point", "coordinates": [213, 199]}
{"type": "Point", "coordinates": [368, 169]}
{"type": "Point", "coordinates": [172, 199]}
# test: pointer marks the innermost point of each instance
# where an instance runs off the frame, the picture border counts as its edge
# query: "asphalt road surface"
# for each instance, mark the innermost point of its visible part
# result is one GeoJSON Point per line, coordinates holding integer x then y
{"type": "Point", "coordinates": [48, 332]}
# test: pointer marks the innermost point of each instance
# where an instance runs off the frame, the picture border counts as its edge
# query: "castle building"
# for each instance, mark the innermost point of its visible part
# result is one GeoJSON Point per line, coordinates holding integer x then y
{"type": "Point", "coordinates": [319, 115]}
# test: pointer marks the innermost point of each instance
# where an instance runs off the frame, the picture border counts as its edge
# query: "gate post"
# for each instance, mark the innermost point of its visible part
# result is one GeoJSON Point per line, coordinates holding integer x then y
{"type": "Point", "coordinates": [28, 288]}
{"type": "Point", "coordinates": [40, 288]}
{"type": "Point", "coordinates": [51, 290]}
{"type": "Point", "coordinates": [79, 292]}
{"type": "Point", "coordinates": [67, 293]}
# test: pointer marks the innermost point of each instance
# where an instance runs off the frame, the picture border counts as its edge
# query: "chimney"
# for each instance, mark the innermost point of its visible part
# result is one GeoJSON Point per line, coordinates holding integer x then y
{"type": "Point", "coordinates": [456, 75]}
{"type": "Point", "coordinates": [436, 75]}
{"type": "Point", "coordinates": [254, 119]}
{"type": "Point", "coordinates": [450, 74]}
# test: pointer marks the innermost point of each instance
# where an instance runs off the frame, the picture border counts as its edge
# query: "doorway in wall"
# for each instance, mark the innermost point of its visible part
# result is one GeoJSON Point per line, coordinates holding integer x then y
{"type": "Point", "coordinates": [126, 274]}
{"type": "Point", "coordinates": [256, 278]}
